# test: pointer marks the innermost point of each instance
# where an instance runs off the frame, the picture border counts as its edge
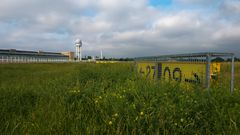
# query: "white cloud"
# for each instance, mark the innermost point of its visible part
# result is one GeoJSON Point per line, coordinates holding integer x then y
{"type": "Point", "coordinates": [232, 6]}
{"type": "Point", "coordinates": [203, 2]}
{"type": "Point", "coordinates": [232, 32]}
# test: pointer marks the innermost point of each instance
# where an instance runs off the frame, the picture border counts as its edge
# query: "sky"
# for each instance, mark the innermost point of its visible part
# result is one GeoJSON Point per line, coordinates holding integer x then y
{"type": "Point", "coordinates": [121, 28]}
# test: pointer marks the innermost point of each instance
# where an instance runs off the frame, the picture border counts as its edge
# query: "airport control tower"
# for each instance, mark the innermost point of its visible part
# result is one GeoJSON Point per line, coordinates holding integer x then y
{"type": "Point", "coordinates": [78, 44]}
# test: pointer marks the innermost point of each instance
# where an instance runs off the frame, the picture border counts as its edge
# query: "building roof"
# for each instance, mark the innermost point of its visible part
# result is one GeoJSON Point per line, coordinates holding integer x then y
{"type": "Point", "coordinates": [30, 53]}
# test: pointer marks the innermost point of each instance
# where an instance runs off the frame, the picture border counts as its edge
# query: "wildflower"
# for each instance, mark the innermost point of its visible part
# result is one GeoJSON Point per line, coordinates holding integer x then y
{"type": "Point", "coordinates": [74, 91]}
{"type": "Point", "coordinates": [96, 101]}
{"type": "Point", "coordinates": [110, 122]}
{"type": "Point", "coordinates": [100, 97]}
{"type": "Point", "coordinates": [181, 119]}
{"type": "Point", "coordinates": [141, 113]}
{"type": "Point", "coordinates": [116, 115]}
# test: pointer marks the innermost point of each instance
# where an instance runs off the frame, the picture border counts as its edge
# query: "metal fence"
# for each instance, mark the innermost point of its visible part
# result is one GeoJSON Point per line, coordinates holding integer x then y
{"type": "Point", "coordinates": [205, 57]}
{"type": "Point", "coordinates": [29, 59]}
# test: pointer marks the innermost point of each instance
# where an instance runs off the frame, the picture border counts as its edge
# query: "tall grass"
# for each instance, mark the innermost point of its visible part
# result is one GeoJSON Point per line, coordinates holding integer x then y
{"type": "Point", "coordinates": [108, 99]}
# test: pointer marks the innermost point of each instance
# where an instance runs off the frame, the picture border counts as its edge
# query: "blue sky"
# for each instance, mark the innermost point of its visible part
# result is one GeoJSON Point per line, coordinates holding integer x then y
{"type": "Point", "coordinates": [126, 28]}
{"type": "Point", "coordinates": [164, 3]}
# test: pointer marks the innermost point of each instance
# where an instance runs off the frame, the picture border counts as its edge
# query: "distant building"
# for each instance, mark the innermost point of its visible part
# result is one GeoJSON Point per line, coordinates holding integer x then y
{"type": "Point", "coordinates": [13, 55]}
{"type": "Point", "coordinates": [71, 55]}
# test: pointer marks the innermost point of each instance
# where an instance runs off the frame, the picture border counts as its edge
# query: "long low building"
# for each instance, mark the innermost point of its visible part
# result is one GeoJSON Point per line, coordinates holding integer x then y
{"type": "Point", "coordinates": [15, 56]}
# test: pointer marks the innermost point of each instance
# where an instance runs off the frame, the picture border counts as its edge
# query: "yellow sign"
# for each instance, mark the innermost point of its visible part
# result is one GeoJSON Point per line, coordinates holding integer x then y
{"type": "Point", "coordinates": [147, 69]}
{"type": "Point", "coordinates": [106, 62]}
{"type": "Point", "coordinates": [215, 70]}
{"type": "Point", "coordinates": [178, 71]}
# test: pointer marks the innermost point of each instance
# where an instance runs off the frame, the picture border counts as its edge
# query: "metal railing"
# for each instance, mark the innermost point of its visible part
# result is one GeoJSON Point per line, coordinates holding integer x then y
{"type": "Point", "coordinates": [28, 59]}
{"type": "Point", "coordinates": [203, 57]}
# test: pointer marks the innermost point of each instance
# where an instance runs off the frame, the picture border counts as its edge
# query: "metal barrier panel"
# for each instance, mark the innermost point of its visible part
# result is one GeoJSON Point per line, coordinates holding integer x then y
{"type": "Point", "coordinates": [184, 72]}
{"type": "Point", "coordinates": [147, 69]}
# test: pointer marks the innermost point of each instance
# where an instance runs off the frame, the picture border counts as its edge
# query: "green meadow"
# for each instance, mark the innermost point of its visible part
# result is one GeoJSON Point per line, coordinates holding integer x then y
{"type": "Point", "coordinates": [72, 98]}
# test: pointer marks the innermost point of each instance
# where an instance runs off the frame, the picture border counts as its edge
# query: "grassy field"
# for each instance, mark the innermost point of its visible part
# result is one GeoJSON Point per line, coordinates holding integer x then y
{"type": "Point", "coordinates": [110, 99]}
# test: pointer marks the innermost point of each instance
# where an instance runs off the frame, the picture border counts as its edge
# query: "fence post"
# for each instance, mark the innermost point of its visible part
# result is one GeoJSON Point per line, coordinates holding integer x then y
{"type": "Point", "coordinates": [208, 71]}
{"type": "Point", "coordinates": [232, 80]}
{"type": "Point", "coordinates": [156, 69]}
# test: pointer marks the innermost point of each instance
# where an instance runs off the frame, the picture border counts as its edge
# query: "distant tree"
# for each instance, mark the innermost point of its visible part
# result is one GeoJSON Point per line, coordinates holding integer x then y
{"type": "Point", "coordinates": [129, 59]}
{"type": "Point", "coordinates": [89, 57]}
{"type": "Point", "coordinates": [125, 59]}
{"type": "Point", "coordinates": [121, 59]}
{"type": "Point", "coordinates": [235, 59]}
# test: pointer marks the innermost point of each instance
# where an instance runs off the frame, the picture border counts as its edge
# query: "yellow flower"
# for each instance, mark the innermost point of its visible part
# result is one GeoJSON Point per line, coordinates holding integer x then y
{"type": "Point", "coordinates": [181, 119]}
{"type": "Point", "coordinates": [110, 122]}
{"type": "Point", "coordinates": [116, 115]}
{"type": "Point", "coordinates": [141, 113]}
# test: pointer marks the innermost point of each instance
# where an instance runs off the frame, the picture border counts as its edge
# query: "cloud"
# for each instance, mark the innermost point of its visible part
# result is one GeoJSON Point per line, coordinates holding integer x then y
{"type": "Point", "coordinates": [232, 6]}
{"type": "Point", "coordinates": [125, 28]}
{"type": "Point", "coordinates": [230, 10]}
{"type": "Point", "coordinates": [201, 2]}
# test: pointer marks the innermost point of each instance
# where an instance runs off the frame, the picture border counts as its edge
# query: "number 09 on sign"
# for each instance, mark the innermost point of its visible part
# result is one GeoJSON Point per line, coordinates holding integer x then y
{"type": "Point", "coordinates": [177, 71]}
